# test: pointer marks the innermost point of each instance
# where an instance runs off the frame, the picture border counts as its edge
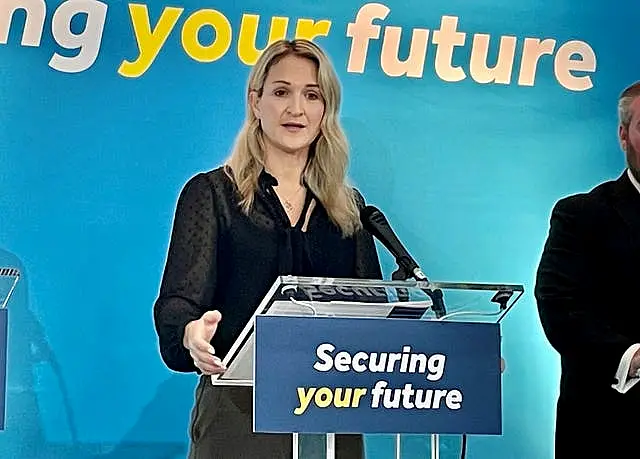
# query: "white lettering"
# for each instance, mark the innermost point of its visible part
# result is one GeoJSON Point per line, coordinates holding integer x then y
{"type": "Point", "coordinates": [362, 31]}
{"type": "Point", "coordinates": [564, 65]}
{"type": "Point", "coordinates": [323, 352]}
{"type": "Point", "coordinates": [357, 364]}
{"type": "Point", "coordinates": [381, 362]}
{"type": "Point", "coordinates": [88, 41]}
{"type": "Point", "coordinates": [36, 11]}
{"type": "Point", "coordinates": [409, 398]}
{"type": "Point", "coordinates": [449, 66]}
{"type": "Point", "coordinates": [342, 361]}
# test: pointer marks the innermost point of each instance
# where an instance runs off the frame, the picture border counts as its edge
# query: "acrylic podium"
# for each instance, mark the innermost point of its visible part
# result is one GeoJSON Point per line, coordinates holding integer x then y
{"type": "Point", "coordinates": [8, 279]}
{"type": "Point", "coordinates": [323, 355]}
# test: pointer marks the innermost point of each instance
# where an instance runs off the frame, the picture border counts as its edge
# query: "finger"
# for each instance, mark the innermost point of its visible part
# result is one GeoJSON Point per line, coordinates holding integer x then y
{"type": "Point", "coordinates": [203, 346]}
{"type": "Point", "coordinates": [206, 369]}
{"type": "Point", "coordinates": [211, 368]}
{"type": "Point", "coordinates": [210, 320]}
{"type": "Point", "coordinates": [204, 357]}
{"type": "Point", "coordinates": [219, 371]}
{"type": "Point", "coordinates": [212, 317]}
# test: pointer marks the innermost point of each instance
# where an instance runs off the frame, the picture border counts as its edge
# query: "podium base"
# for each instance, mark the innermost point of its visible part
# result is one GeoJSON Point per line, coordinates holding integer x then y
{"type": "Point", "coordinates": [330, 447]}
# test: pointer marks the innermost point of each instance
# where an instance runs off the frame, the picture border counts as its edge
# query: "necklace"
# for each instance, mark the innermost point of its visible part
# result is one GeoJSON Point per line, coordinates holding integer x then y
{"type": "Point", "coordinates": [288, 205]}
{"type": "Point", "coordinates": [286, 202]}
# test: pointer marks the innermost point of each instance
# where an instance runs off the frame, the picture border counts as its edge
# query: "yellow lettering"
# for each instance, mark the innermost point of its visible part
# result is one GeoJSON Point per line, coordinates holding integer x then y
{"type": "Point", "coordinates": [324, 397]}
{"type": "Point", "coordinates": [310, 29]}
{"type": "Point", "coordinates": [221, 42]}
{"type": "Point", "coordinates": [342, 397]}
{"type": "Point", "coordinates": [149, 42]}
{"type": "Point", "coordinates": [358, 393]}
{"type": "Point", "coordinates": [247, 51]}
{"type": "Point", "coordinates": [304, 397]}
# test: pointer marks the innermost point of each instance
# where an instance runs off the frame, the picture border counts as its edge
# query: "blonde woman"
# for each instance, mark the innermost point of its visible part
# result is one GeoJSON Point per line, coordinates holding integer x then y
{"type": "Point", "coordinates": [280, 205]}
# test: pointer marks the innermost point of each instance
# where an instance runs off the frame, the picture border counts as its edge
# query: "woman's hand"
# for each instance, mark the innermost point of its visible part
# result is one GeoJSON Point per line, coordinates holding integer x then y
{"type": "Point", "coordinates": [197, 338]}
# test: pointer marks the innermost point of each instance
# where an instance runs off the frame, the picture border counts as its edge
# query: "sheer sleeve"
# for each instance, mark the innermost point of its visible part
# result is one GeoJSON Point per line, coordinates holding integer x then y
{"type": "Point", "coordinates": [189, 278]}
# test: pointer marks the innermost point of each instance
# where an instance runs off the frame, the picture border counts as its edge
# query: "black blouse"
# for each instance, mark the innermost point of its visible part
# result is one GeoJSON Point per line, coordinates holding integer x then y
{"type": "Point", "coordinates": [220, 258]}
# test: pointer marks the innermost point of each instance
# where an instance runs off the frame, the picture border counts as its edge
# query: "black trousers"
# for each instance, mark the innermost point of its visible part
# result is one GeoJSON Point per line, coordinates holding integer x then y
{"type": "Point", "coordinates": [601, 423]}
{"type": "Point", "coordinates": [222, 428]}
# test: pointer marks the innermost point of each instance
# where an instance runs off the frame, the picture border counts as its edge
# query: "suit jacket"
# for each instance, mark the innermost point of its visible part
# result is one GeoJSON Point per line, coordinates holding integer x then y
{"type": "Point", "coordinates": [587, 291]}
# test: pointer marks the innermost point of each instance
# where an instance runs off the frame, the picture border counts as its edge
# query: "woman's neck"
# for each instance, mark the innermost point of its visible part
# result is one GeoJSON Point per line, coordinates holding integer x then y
{"type": "Point", "coordinates": [286, 168]}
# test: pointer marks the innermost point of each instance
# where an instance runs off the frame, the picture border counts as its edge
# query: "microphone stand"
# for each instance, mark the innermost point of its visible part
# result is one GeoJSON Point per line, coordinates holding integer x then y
{"type": "Point", "coordinates": [436, 296]}
{"type": "Point", "coordinates": [400, 274]}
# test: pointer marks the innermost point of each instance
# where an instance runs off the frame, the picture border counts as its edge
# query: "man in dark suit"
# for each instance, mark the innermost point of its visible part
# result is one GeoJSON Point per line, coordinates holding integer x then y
{"type": "Point", "coordinates": [588, 295]}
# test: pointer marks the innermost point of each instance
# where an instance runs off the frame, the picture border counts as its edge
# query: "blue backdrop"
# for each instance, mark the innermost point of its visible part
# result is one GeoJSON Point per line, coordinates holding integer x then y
{"type": "Point", "coordinates": [92, 162]}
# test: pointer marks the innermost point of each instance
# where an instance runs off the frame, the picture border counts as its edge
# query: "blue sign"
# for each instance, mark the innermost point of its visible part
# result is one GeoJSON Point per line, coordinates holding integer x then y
{"type": "Point", "coordinates": [3, 364]}
{"type": "Point", "coordinates": [353, 375]}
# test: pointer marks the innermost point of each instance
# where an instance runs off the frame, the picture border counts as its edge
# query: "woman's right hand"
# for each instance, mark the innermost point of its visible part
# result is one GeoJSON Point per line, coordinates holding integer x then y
{"type": "Point", "coordinates": [197, 338]}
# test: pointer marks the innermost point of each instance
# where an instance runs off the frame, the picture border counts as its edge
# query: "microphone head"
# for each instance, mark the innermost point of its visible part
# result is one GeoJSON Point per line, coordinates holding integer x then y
{"type": "Point", "coordinates": [374, 221]}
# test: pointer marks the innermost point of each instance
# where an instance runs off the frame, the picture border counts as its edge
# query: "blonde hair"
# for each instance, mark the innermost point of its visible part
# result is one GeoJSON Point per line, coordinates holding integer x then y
{"type": "Point", "coordinates": [627, 97]}
{"type": "Point", "coordinates": [325, 173]}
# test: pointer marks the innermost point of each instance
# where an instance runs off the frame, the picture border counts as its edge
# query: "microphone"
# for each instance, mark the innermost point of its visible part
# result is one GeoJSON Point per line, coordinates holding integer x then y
{"type": "Point", "coordinates": [376, 223]}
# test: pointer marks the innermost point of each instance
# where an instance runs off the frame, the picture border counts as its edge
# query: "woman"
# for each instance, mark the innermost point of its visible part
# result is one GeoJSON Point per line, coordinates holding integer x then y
{"type": "Point", "coordinates": [280, 205]}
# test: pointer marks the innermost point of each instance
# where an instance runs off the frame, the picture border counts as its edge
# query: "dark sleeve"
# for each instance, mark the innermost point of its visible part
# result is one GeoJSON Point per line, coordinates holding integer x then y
{"type": "Point", "coordinates": [189, 280]}
{"type": "Point", "coordinates": [367, 261]}
{"type": "Point", "coordinates": [566, 290]}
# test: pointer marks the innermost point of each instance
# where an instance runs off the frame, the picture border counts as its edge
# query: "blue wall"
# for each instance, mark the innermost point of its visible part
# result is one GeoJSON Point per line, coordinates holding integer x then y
{"type": "Point", "coordinates": [92, 162]}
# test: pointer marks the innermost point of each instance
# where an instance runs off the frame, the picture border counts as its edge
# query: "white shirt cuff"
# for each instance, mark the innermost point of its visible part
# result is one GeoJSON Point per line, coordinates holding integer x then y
{"type": "Point", "coordinates": [624, 382]}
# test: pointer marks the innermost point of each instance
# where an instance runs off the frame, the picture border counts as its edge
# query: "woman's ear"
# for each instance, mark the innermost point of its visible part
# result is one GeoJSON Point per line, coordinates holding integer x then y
{"type": "Point", "coordinates": [254, 101]}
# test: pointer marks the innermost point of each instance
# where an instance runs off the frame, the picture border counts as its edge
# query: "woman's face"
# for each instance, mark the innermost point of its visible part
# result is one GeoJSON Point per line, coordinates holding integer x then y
{"type": "Point", "coordinates": [291, 107]}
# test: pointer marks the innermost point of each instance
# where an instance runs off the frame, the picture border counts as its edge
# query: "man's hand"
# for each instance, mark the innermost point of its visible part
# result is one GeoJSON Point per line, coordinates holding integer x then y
{"type": "Point", "coordinates": [197, 338]}
{"type": "Point", "coordinates": [635, 365]}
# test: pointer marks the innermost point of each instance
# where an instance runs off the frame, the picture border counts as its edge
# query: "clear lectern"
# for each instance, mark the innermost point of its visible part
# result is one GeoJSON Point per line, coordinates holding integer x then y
{"type": "Point", "coordinates": [359, 298]}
